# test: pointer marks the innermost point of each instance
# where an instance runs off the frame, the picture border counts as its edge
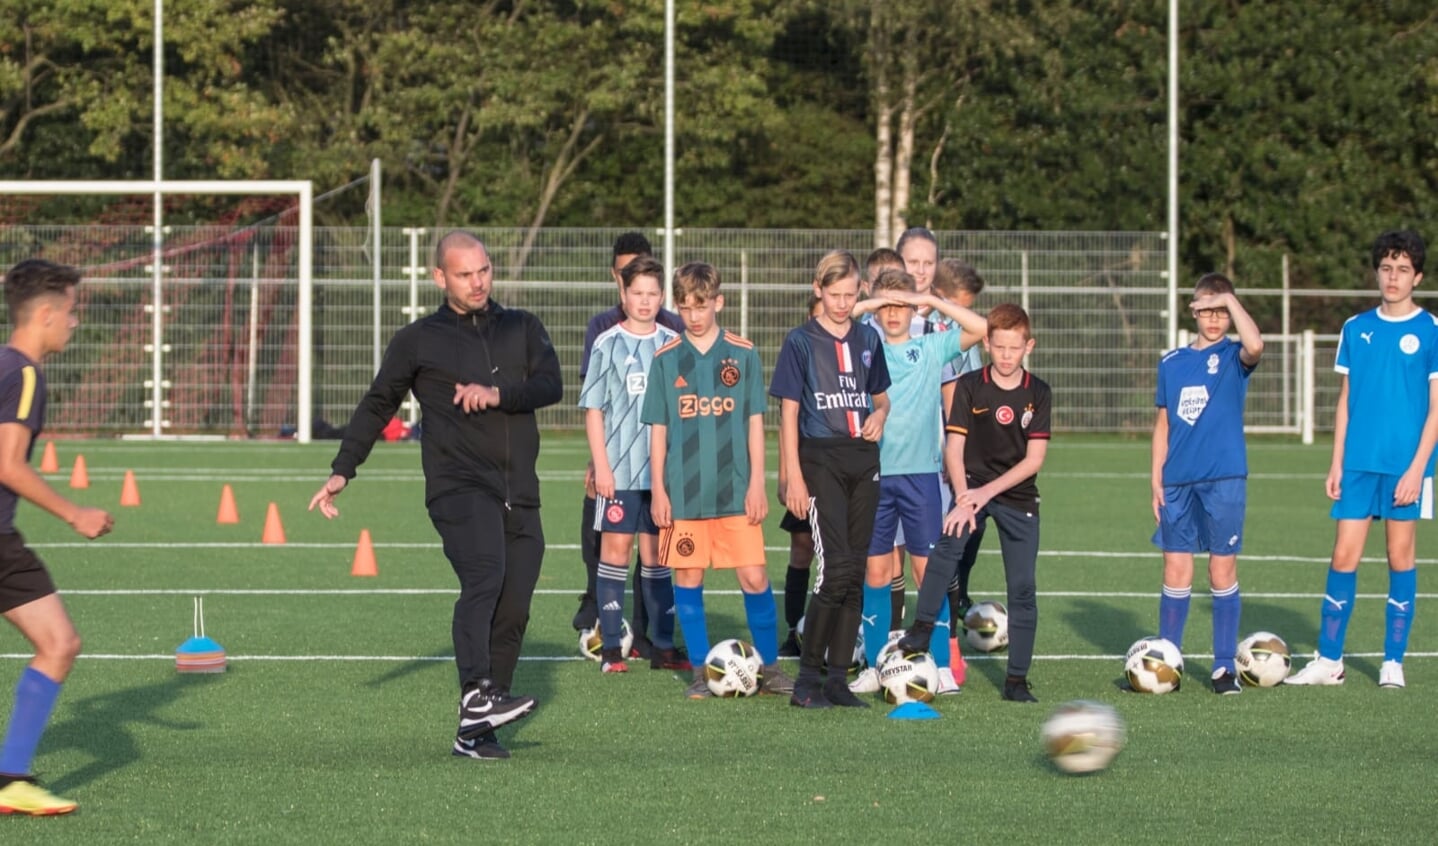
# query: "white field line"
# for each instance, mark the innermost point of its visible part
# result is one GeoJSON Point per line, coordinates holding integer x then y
{"type": "Point", "coordinates": [1148, 557]}
{"type": "Point", "coordinates": [561, 658]}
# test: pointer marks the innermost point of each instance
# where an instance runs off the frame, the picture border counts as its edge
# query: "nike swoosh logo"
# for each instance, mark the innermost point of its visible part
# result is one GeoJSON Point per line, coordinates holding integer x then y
{"type": "Point", "coordinates": [979, 410]}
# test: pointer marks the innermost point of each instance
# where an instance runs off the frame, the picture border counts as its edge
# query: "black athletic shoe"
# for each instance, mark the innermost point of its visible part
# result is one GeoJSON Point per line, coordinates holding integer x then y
{"type": "Point", "coordinates": [809, 695]}
{"type": "Point", "coordinates": [1225, 683]}
{"type": "Point", "coordinates": [917, 638]}
{"type": "Point", "coordinates": [669, 659]}
{"type": "Point", "coordinates": [642, 647]}
{"type": "Point", "coordinates": [838, 693]}
{"type": "Point", "coordinates": [1018, 689]}
{"type": "Point", "coordinates": [962, 606]}
{"type": "Point", "coordinates": [486, 707]}
{"type": "Point", "coordinates": [484, 747]}
{"type": "Point", "coordinates": [587, 617]}
{"type": "Point", "coordinates": [790, 647]}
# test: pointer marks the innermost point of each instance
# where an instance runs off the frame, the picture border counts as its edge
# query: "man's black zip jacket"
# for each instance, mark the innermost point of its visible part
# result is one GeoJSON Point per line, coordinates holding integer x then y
{"type": "Point", "coordinates": [493, 450]}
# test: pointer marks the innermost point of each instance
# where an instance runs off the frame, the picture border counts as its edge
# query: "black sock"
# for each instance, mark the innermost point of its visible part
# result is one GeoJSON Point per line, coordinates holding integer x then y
{"type": "Point", "coordinates": [796, 593]}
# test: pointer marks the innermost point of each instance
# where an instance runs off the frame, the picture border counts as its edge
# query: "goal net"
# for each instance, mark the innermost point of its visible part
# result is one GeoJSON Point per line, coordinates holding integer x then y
{"type": "Point", "coordinates": [216, 342]}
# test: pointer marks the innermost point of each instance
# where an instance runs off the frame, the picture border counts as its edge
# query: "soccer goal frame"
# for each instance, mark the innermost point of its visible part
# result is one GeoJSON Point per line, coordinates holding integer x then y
{"type": "Point", "coordinates": [302, 190]}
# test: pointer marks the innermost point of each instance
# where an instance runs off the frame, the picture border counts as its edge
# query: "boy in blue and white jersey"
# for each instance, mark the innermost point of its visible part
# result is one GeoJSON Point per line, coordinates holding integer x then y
{"type": "Point", "coordinates": [613, 395]}
{"type": "Point", "coordinates": [1200, 467]}
{"type": "Point", "coordinates": [910, 455]}
{"type": "Point", "coordinates": [1382, 467]}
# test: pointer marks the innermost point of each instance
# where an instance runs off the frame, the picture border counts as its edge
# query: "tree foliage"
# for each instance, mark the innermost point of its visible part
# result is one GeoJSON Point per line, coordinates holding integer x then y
{"type": "Point", "coordinates": [1306, 128]}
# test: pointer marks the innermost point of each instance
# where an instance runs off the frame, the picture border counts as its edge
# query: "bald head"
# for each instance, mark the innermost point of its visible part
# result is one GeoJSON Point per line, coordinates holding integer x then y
{"type": "Point", "coordinates": [456, 239]}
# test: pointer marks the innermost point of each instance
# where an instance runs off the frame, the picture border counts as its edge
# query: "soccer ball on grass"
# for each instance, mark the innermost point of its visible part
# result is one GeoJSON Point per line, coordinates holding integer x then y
{"type": "Point", "coordinates": [1082, 736]}
{"type": "Point", "coordinates": [908, 677]}
{"type": "Point", "coordinates": [986, 626]}
{"type": "Point", "coordinates": [1153, 665]}
{"type": "Point", "coordinates": [733, 668]}
{"type": "Point", "coordinates": [1262, 660]}
{"type": "Point", "coordinates": [591, 641]}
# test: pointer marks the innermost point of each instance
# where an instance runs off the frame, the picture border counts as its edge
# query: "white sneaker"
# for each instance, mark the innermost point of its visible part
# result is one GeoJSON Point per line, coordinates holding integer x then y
{"type": "Point", "coordinates": [1320, 671]}
{"type": "Point", "coordinates": [1391, 674]}
{"type": "Point", "coordinates": [947, 685]}
{"type": "Point", "coordinates": [867, 682]}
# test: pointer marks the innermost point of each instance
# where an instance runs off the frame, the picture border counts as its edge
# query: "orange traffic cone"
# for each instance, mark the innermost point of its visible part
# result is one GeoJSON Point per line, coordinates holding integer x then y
{"type": "Point", "coordinates": [274, 531]}
{"type": "Point", "coordinates": [129, 491]}
{"type": "Point", "coordinates": [364, 564]}
{"type": "Point", "coordinates": [49, 463]}
{"type": "Point", "coordinates": [228, 513]}
{"type": "Point", "coordinates": [79, 477]}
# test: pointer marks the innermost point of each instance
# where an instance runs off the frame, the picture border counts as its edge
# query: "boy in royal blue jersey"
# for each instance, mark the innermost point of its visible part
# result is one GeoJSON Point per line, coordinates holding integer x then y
{"type": "Point", "coordinates": [998, 436]}
{"type": "Point", "coordinates": [910, 454]}
{"type": "Point", "coordinates": [1200, 466]}
{"type": "Point", "coordinates": [705, 407]}
{"type": "Point", "coordinates": [612, 394]}
{"type": "Point", "coordinates": [1382, 467]}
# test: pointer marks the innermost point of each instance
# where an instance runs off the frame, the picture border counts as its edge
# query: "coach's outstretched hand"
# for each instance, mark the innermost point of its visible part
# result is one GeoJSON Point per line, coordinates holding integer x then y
{"type": "Point", "coordinates": [325, 498]}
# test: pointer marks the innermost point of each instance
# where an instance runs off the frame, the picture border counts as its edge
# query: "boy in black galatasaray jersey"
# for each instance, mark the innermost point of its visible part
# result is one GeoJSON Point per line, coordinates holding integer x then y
{"type": "Point", "coordinates": [998, 436]}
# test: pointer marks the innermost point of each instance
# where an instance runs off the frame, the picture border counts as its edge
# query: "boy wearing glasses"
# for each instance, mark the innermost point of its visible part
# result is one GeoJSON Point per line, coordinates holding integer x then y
{"type": "Point", "coordinates": [1200, 466]}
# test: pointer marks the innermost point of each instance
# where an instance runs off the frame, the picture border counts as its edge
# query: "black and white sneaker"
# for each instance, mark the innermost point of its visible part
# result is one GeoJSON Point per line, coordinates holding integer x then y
{"type": "Point", "coordinates": [1225, 683]}
{"type": "Point", "coordinates": [484, 747]}
{"type": "Point", "coordinates": [486, 707]}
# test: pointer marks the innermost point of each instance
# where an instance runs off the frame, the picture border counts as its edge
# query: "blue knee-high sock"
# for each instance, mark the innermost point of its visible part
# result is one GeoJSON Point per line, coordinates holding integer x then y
{"type": "Point", "coordinates": [1338, 597]}
{"type": "Point", "coordinates": [609, 588]}
{"type": "Point", "coordinates": [689, 608]}
{"type": "Point", "coordinates": [1173, 613]}
{"type": "Point", "coordinates": [1402, 594]}
{"type": "Point", "coordinates": [939, 640]}
{"type": "Point", "coordinates": [35, 696]}
{"type": "Point", "coordinates": [1227, 606]}
{"type": "Point", "coordinates": [657, 584]}
{"type": "Point", "coordinates": [763, 614]}
{"type": "Point", "coordinates": [875, 620]}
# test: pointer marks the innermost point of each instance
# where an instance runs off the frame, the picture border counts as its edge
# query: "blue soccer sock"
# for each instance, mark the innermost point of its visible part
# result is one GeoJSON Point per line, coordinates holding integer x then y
{"type": "Point", "coordinates": [939, 640]}
{"type": "Point", "coordinates": [1173, 613]}
{"type": "Point", "coordinates": [609, 594]}
{"type": "Point", "coordinates": [874, 622]}
{"type": "Point", "coordinates": [689, 608]}
{"type": "Point", "coordinates": [1227, 606]}
{"type": "Point", "coordinates": [1338, 597]}
{"type": "Point", "coordinates": [1402, 595]}
{"type": "Point", "coordinates": [35, 696]}
{"type": "Point", "coordinates": [657, 585]}
{"type": "Point", "coordinates": [763, 614]}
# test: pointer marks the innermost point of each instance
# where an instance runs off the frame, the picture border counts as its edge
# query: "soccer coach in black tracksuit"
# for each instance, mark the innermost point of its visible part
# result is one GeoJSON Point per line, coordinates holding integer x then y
{"type": "Point", "coordinates": [479, 371]}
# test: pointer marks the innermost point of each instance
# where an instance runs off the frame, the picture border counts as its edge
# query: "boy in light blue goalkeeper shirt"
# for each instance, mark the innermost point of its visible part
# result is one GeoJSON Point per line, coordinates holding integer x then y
{"type": "Point", "coordinates": [1200, 467]}
{"type": "Point", "coordinates": [612, 396]}
{"type": "Point", "coordinates": [1383, 445]}
{"type": "Point", "coordinates": [910, 454]}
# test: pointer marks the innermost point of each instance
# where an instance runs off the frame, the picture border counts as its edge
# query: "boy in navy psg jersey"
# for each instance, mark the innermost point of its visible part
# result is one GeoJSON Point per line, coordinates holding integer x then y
{"type": "Point", "coordinates": [41, 299]}
{"type": "Point", "coordinates": [998, 436]}
{"type": "Point", "coordinates": [1382, 467]}
{"type": "Point", "coordinates": [1200, 466]}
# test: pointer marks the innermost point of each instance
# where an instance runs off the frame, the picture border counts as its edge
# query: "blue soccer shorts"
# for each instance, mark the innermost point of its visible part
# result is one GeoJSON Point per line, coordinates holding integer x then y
{"type": "Point", "coordinates": [1366, 496]}
{"type": "Point", "coordinates": [1203, 517]}
{"type": "Point", "coordinates": [626, 514]}
{"type": "Point", "coordinates": [913, 501]}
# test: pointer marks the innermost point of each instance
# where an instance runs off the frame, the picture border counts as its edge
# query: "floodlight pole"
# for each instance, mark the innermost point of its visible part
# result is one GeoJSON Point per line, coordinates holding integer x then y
{"type": "Point", "coordinates": [1172, 173]}
{"type": "Point", "coordinates": [669, 152]}
{"type": "Point", "coordinates": [157, 257]}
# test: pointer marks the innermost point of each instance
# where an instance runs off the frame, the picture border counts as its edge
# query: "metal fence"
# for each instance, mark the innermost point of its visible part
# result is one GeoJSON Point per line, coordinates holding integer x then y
{"type": "Point", "coordinates": [229, 317]}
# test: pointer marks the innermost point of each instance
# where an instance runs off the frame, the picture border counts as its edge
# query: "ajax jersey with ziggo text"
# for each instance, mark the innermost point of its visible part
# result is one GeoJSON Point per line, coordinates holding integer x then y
{"type": "Point", "coordinates": [705, 400]}
{"type": "Point", "coordinates": [615, 384]}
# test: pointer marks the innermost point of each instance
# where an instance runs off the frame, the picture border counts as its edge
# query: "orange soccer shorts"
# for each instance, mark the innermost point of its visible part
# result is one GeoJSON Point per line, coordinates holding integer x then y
{"type": "Point", "coordinates": [721, 542]}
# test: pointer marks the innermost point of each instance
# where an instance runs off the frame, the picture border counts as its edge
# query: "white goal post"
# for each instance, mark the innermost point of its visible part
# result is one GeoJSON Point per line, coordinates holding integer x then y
{"type": "Point", "coordinates": [303, 191]}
